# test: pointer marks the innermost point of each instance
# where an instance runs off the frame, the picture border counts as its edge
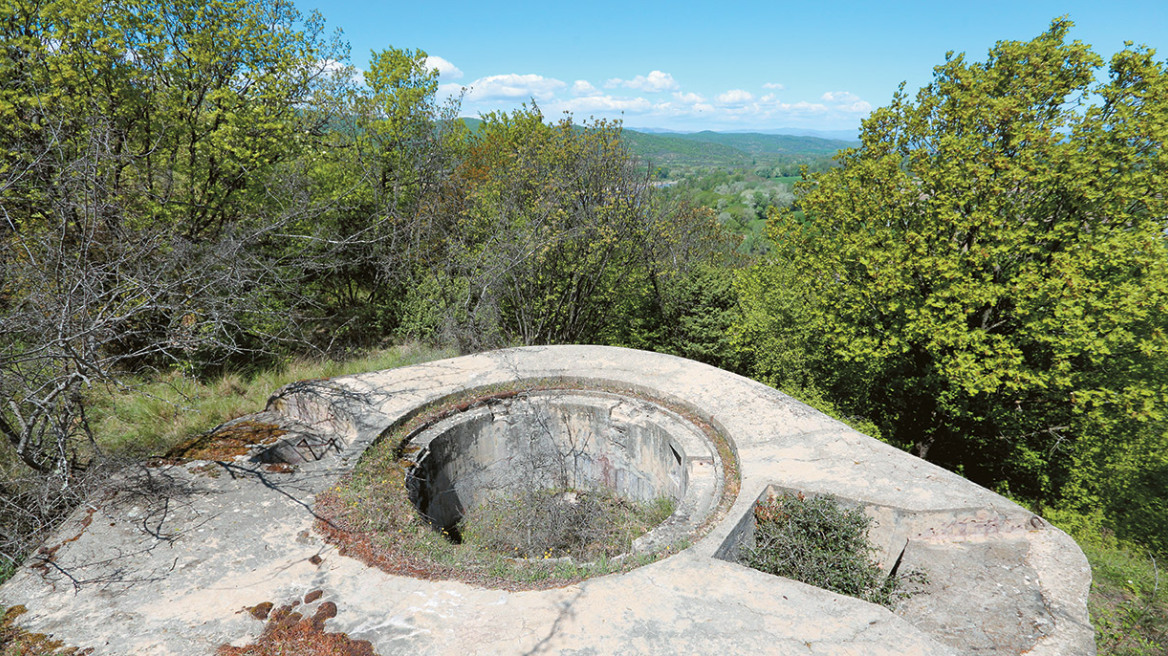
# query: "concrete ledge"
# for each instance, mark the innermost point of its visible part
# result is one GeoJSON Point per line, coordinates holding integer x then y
{"type": "Point", "coordinates": [166, 560]}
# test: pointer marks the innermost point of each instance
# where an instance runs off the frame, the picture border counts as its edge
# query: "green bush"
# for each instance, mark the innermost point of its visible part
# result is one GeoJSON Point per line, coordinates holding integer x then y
{"type": "Point", "coordinates": [817, 541]}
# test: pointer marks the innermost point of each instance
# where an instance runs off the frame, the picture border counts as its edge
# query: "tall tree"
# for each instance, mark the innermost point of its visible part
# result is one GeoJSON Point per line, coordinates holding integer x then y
{"type": "Point", "coordinates": [987, 274]}
{"type": "Point", "coordinates": [134, 208]}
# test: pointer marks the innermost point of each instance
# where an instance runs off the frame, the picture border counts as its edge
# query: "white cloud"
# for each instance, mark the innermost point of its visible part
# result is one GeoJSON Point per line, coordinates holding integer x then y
{"type": "Point", "coordinates": [606, 103]}
{"type": "Point", "coordinates": [584, 88]}
{"type": "Point", "coordinates": [840, 97]}
{"type": "Point", "coordinates": [690, 98]}
{"type": "Point", "coordinates": [656, 99]}
{"type": "Point", "coordinates": [846, 101]}
{"type": "Point", "coordinates": [774, 85]}
{"type": "Point", "coordinates": [804, 107]}
{"type": "Point", "coordinates": [450, 90]}
{"type": "Point", "coordinates": [514, 86]}
{"type": "Point", "coordinates": [654, 82]}
{"type": "Point", "coordinates": [735, 97]}
{"type": "Point", "coordinates": [444, 67]}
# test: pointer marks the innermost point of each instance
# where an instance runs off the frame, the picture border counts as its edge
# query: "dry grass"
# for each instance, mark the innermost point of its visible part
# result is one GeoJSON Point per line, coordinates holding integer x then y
{"type": "Point", "coordinates": [151, 416]}
{"type": "Point", "coordinates": [545, 523]}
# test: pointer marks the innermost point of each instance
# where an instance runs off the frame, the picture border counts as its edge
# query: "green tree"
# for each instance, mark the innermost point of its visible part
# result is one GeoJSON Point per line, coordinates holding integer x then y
{"type": "Point", "coordinates": [553, 234]}
{"type": "Point", "coordinates": [383, 176]}
{"type": "Point", "coordinates": [403, 96]}
{"type": "Point", "coordinates": [558, 238]}
{"type": "Point", "coordinates": [142, 142]}
{"type": "Point", "coordinates": [986, 275]}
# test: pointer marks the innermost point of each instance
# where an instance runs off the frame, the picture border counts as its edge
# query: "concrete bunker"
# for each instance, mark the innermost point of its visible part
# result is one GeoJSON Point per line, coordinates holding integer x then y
{"type": "Point", "coordinates": [569, 440]}
{"type": "Point", "coordinates": [165, 569]}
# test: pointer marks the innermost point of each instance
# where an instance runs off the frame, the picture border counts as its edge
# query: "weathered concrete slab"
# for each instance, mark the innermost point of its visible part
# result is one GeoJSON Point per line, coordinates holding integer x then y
{"type": "Point", "coordinates": [166, 561]}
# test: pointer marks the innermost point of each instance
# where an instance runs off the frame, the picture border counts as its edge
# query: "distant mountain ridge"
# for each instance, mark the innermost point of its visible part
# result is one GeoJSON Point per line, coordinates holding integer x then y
{"type": "Point", "coordinates": [709, 148]}
{"type": "Point", "coordinates": [842, 135]}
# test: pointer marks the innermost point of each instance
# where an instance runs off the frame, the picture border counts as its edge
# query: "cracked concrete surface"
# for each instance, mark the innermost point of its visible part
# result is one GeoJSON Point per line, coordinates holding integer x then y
{"type": "Point", "coordinates": [165, 561]}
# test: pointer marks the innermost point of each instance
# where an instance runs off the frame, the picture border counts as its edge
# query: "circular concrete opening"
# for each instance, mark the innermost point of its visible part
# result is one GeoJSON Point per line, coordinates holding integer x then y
{"type": "Point", "coordinates": [561, 440]}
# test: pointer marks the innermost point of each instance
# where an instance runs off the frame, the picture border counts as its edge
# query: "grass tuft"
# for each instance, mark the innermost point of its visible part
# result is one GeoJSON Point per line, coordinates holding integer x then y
{"type": "Point", "coordinates": [151, 416]}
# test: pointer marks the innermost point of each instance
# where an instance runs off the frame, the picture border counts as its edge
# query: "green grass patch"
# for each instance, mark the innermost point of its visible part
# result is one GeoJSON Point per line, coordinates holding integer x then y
{"type": "Point", "coordinates": [1129, 608]}
{"type": "Point", "coordinates": [149, 416]}
{"type": "Point", "coordinates": [1128, 602]}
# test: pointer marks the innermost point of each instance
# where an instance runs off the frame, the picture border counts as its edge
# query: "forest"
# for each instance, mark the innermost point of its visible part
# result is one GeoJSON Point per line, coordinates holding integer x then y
{"type": "Point", "coordinates": [195, 191]}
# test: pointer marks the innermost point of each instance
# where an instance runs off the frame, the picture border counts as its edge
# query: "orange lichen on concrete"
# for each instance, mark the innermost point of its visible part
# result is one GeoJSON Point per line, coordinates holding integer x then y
{"type": "Point", "coordinates": [15, 641]}
{"type": "Point", "coordinates": [289, 633]}
{"type": "Point", "coordinates": [226, 443]}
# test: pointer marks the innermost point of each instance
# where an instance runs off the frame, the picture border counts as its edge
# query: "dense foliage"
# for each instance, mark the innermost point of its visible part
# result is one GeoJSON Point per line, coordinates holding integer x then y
{"type": "Point", "coordinates": [200, 187]}
{"type": "Point", "coordinates": [986, 278]}
{"type": "Point", "coordinates": [191, 188]}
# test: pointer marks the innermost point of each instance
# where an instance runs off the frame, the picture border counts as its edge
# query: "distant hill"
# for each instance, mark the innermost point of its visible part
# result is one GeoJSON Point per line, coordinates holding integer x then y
{"type": "Point", "coordinates": [730, 148]}
{"type": "Point", "coordinates": [842, 135]}
{"type": "Point", "coordinates": [757, 143]}
{"type": "Point", "coordinates": [737, 149]}
{"type": "Point", "coordinates": [681, 149]}
{"type": "Point", "coordinates": [473, 124]}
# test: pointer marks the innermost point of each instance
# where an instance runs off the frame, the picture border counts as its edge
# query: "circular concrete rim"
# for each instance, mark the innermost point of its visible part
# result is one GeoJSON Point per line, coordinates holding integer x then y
{"type": "Point", "coordinates": [694, 449]}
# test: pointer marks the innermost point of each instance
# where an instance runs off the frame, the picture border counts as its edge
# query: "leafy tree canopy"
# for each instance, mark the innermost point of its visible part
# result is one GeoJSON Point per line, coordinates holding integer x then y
{"type": "Point", "coordinates": [986, 275]}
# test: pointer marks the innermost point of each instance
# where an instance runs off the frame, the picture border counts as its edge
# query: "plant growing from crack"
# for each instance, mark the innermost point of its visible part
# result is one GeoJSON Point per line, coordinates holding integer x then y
{"type": "Point", "coordinates": [820, 542]}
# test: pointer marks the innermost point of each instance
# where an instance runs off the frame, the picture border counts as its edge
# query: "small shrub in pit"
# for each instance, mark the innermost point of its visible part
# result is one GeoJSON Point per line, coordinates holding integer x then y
{"type": "Point", "coordinates": [553, 523]}
{"type": "Point", "coordinates": [817, 541]}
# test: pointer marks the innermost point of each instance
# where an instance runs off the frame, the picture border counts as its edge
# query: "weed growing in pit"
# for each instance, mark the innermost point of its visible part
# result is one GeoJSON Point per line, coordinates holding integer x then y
{"type": "Point", "coordinates": [817, 541]}
{"type": "Point", "coordinates": [554, 523]}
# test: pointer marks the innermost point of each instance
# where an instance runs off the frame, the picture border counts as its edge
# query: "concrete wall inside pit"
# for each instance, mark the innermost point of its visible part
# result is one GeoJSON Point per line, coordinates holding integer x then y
{"type": "Point", "coordinates": [575, 442]}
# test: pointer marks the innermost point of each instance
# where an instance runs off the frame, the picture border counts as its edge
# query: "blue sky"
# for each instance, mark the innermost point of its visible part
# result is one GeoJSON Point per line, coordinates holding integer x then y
{"type": "Point", "coordinates": [719, 66]}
